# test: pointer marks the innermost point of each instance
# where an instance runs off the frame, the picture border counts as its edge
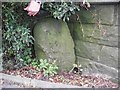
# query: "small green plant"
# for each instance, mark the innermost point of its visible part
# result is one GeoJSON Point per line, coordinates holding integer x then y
{"type": "Point", "coordinates": [35, 63]}
{"type": "Point", "coordinates": [48, 69]}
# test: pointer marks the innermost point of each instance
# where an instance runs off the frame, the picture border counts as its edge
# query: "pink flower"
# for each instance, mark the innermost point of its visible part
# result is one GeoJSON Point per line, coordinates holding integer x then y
{"type": "Point", "coordinates": [33, 7]}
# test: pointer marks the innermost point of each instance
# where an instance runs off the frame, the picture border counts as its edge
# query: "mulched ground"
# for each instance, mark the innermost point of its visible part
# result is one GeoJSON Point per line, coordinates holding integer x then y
{"type": "Point", "coordinates": [96, 81]}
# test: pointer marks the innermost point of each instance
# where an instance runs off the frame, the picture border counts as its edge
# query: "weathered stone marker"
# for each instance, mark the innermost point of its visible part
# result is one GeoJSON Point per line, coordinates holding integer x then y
{"type": "Point", "coordinates": [54, 42]}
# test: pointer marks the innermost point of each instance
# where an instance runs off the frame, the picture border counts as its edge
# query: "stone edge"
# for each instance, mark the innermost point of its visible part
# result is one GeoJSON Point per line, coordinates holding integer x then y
{"type": "Point", "coordinates": [35, 82]}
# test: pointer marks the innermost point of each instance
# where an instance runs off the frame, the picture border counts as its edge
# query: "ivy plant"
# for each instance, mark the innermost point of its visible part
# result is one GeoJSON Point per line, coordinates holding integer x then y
{"type": "Point", "coordinates": [61, 10]}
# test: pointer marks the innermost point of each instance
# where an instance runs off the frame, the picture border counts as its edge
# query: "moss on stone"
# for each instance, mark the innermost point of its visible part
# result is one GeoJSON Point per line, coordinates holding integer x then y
{"type": "Point", "coordinates": [54, 38]}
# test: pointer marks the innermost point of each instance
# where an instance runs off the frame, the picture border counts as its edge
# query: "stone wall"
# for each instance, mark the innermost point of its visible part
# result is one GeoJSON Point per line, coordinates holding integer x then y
{"type": "Point", "coordinates": [95, 35]}
{"type": "Point", "coordinates": [90, 38]}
